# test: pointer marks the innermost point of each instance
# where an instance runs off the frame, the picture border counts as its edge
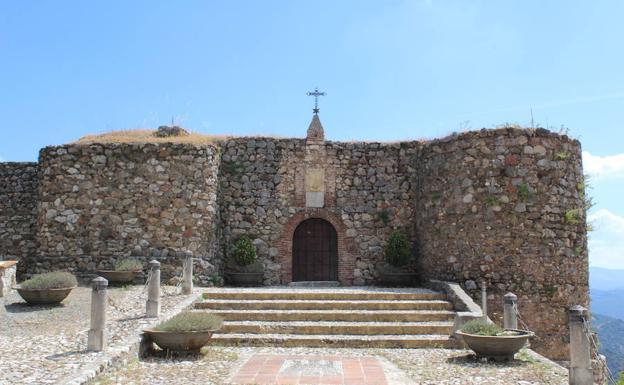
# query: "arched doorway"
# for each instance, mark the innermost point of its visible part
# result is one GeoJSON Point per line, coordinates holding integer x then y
{"type": "Point", "coordinates": [315, 251]}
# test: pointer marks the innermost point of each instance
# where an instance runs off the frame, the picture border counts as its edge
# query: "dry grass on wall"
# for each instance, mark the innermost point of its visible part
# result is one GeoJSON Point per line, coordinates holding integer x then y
{"type": "Point", "coordinates": [147, 136]}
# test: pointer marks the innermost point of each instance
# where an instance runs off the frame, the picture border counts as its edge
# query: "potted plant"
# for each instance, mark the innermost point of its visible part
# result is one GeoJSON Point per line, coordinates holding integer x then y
{"type": "Point", "coordinates": [188, 331]}
{"type": "Point", "coordinates": [488, 340]}
{"type": "Point", "coordinates": [244, 269]}
{"type": "Point", "coordinates": [398, 254]}
{"type": "Point", "coordinates": [124, 271]}
{"type": "Point", "coordinates": [47, 288]}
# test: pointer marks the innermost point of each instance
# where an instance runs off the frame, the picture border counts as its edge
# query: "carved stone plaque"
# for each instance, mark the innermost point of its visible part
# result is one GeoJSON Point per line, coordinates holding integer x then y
{"type": "Point", "coordinates": [315, 180]}
{"type": "Point", "coordinates": [315, 187]}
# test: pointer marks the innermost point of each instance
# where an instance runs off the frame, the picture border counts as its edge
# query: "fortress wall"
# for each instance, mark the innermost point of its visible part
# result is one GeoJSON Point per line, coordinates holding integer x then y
{"type": "Point", "coordinates": [18, 211]}
{"type": "Point", "coordinates": [99, 203]}
{"type": "Point", "coordinates": [506, 206]}
{"type": "Point", "coordinates": [374, 187]}
{"type": "Point", "coordinates": [262, 195]}
{"type": "Point", "coordinates": [502, 205]}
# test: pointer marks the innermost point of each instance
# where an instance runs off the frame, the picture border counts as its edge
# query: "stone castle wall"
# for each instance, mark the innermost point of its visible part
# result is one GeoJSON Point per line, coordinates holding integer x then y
{"type": "Point", "coordinates": [507, 207]}
{"type": "Point", "coordinates": [504, 206]}
{"type": "Point", "coordinates": [100, 203]}
{"type": "Point", "coordinates": [367, 195]}
{"type": "Point", "coordinates": [18, 211]}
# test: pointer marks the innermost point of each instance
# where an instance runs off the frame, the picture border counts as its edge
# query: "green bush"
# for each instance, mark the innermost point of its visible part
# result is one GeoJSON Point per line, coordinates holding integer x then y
{"type": "Point", "coordinates": [573, 216]}
{"type": "Point", "coordinates": [191, 321]}
{"type": "Point", "coordinates": [244, 251]}
{"type": "Point", "coordinates": [53, 280]}
{"type": "Point", "coordinates": [398, 249]}
{"type": "Point", "coordinates": [128, 264]}
{"type": "Point", "coordinates": [620, 380]}
{"type": "Point", "coordinates": [481, 328]}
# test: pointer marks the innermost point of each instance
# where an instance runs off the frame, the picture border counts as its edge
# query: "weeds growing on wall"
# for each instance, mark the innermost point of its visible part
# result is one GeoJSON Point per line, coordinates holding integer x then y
{"type": "Point", "coordinates": [523, 191]}
{"type": "Point", "coordinates": [491, 200]}
{"type": "Point", "coordinates": [572, 217]}
{"type": "Point", "coordinates": [233, 167]}
{"type": "Point", "coordinates": [562, 155]}
{"type": "Point", "coordinates": [383, 216]}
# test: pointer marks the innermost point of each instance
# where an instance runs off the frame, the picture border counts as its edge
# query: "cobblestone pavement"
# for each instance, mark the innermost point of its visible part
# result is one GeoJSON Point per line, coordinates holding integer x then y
{"type": "Point", "coordinates": [46, 344]}
{"type": "Point", "coordinates": [236, 365]}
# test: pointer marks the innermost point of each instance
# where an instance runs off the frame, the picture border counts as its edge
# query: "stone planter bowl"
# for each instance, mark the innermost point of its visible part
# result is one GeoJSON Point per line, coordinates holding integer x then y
{"type": "Point", "coordinates": [498, 348]}
{"type": "Point", "coordinates": [119, 276]}
{"type": "Point", "coordinates": [180, 341]}
{"type": "Point", "coordinates": [245, 279]}
{"type": "Point", "coordinates": [44, 296]}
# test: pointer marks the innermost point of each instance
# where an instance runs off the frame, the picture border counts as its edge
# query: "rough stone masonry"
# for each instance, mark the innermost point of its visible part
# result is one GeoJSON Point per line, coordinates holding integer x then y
{"type": "Point", "coordinates": [504, 206]}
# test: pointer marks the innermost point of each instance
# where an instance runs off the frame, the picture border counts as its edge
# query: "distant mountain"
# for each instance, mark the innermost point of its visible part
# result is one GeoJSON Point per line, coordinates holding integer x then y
{"type": "Point", "coordinates": [607, 291]}
{"type": "Point", "coordinates": [611, 336]}
{"type": "Point", "coordinates": [608, 302]}
{"type": "Point", "coordinates": [605, 279]}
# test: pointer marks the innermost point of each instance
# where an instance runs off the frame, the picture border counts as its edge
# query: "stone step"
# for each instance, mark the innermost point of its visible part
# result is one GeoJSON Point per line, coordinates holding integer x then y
{"type": "Point", "coordinates": [315, 284]}
{"type": "Point", "coordinates": [336, 315]}
{"type": "Point", "coordinates": [336, 341]}
{"type": "Point", "coordinates": [323, 305]}
{"type": "Point", "coordinates": [336, 294]}
{"type": "Point", "coordinates": [324, 327]}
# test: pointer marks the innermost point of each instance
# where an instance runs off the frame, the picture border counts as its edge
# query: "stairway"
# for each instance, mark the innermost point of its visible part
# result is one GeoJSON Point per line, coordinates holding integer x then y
{"type": "Point", "coordinates": [331, 317]}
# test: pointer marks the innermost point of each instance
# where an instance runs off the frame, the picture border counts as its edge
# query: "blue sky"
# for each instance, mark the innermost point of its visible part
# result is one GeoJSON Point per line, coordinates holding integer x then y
{"type": "Point", "coordinates": [391, 69]}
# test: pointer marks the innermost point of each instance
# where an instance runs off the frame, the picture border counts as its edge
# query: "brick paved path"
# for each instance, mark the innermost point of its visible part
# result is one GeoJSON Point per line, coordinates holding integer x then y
{"type": "Point", "coordinates": [264, 369]}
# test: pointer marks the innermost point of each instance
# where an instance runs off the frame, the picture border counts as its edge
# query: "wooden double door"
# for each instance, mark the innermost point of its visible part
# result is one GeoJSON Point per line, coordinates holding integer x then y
{"type": "Point", "coordinates": [315, 251]}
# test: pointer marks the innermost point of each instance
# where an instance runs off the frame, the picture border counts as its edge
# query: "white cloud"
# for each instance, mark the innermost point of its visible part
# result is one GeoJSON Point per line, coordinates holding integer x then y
{"type": "Point", "coordinates": [599, 167]}
{"type": "Point", "coordinates": [606, 242]}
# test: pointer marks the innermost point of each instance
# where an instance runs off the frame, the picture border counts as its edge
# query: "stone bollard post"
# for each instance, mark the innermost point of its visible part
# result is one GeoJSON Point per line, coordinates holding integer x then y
{"type": "Point", "coordinates": [187, 274]}
{"type": "Point", "coordinates": [153, 290]}
{"type": "Point", "coordinates": [510, 317]}
{"type": "Point", "coordinates": [580, 350]}
{"type": "Point", "coordinates": [96, 341]}
{"type": "Point", "coordinates": [484, 300]}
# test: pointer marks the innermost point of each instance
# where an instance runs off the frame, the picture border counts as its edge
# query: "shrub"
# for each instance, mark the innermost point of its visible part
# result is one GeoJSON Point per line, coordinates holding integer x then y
{"type": "Point", "coordinates": [191, 321]}
{"type": "Point", "coordinates": [573, 216]}
{"type": "Point", "coordinates": [523, 191]}
{"type": "Point", "coordinates": [128, 264]}
{"type": "Point", "coordinates": [481, 328]}
{"type": "Point", "coordinates": [53, 280]}
{"type": "Point", "coordinates": [562, 155]}
{"type": "Point", "coordinates": [398, 249]}
{"type": "Point", "coordinates": [384, 216]}
{"type": "Point", "coordinates": [244, 251]}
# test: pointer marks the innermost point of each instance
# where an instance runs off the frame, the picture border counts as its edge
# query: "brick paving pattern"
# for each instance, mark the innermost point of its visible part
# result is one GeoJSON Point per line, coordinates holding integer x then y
{"type": "Point", "coordinates": [283, 369]}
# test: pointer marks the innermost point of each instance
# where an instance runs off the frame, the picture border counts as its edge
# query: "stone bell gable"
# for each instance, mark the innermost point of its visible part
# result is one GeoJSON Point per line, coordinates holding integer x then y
{"type": "Point", "coordinates": [315, 130]}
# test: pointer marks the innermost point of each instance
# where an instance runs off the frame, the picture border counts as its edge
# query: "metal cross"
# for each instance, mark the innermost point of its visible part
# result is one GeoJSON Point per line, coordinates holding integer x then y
{"type": "Point", "coordinates": [316, 94]}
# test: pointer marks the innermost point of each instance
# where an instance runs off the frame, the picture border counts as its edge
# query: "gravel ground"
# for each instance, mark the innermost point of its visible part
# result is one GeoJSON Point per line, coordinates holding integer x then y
{"type": "Point", "coordinates": [46, 344]}
{"type": "Point", "coordinates": [422, 366]}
